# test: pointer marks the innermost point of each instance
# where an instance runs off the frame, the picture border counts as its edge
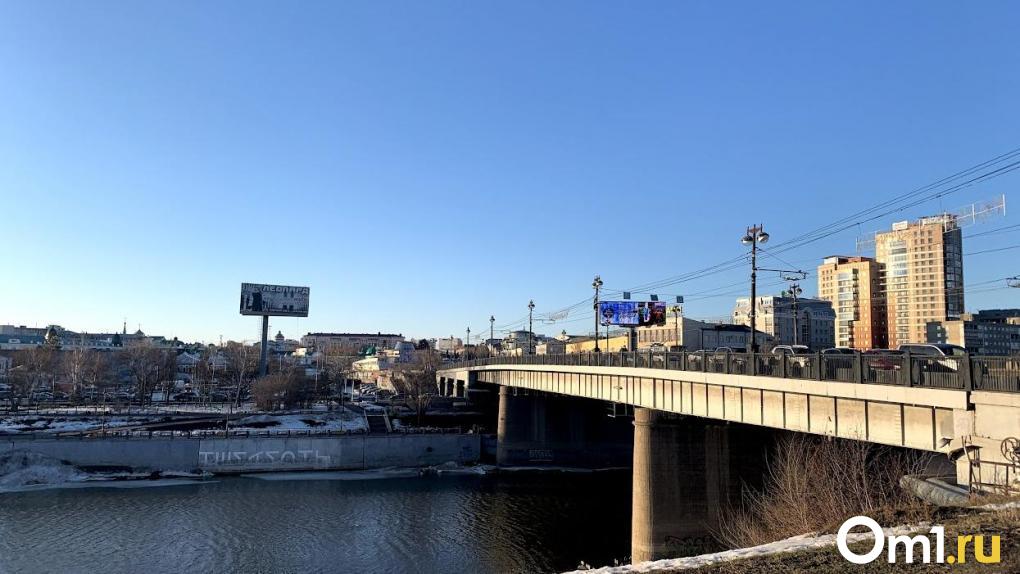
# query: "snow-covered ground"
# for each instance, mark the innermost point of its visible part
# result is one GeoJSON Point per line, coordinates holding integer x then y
{"type": "Point", "coordinates": [338, 420]}
{"type": "Point", "coordinates": [794, 544]}
{"type": "Point", "coordinates": [59, 423]}
{"type": "Point", "coordinates": [55, 424]}
{"type": "Point", "coordinates": [22, 471]}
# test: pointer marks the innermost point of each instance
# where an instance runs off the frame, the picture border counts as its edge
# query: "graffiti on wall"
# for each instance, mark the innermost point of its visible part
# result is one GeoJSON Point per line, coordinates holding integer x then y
{"type": "Point", "coordinates": [303, 458]}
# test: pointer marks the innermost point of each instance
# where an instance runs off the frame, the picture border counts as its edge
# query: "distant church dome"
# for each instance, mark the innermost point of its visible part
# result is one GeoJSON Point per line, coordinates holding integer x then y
{"type": "Point", "coordinates": [279, 337]}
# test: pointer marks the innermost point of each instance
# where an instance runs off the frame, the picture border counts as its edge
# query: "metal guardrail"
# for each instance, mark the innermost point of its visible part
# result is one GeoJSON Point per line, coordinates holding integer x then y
{"type": "Point", "coordinates": [207, 434]}
{"type": "Point", "coordinates": [962, 373]}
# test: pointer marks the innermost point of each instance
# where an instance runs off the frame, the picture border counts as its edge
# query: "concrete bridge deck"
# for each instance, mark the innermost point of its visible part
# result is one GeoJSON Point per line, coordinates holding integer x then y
{"type": "Point", "coordinates": [966, 407]}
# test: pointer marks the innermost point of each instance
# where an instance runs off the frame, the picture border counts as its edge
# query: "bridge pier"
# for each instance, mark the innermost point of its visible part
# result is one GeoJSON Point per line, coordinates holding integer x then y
{"type": "Point", "coordinates": [537, 429]}
{"type": "Point", "coordinates": [681, 483]}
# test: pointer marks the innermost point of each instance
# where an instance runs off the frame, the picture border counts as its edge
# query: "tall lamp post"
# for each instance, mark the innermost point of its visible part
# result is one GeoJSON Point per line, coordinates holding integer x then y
{"type": "Point", "coordinates": [531, 333]}
{"type": "Point", "coordinates": [492, 321]}
{"type": "Point", "coordinates": [755, 235]}
{"type": "Point", "coordinates": [597, 284]}
{"type": "Point", "coordinates": [677, 309]}
{"type": "Point", "coordinates": [794, 292]}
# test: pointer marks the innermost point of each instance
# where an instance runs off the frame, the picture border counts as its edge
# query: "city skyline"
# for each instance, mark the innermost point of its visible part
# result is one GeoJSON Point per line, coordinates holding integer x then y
{"type": "Point", "coordinates": [192, 159]}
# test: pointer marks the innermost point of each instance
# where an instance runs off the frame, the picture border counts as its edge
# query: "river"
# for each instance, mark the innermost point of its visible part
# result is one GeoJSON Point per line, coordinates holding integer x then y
{"type": "Point", "coordinates": [507, 522]}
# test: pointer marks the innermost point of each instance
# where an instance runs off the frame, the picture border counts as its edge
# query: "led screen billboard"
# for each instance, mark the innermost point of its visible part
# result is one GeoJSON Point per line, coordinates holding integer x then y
{"type": "Point", "coordinates": [633, 313]}
{"type": "Point", "coordinates": [278, 300]}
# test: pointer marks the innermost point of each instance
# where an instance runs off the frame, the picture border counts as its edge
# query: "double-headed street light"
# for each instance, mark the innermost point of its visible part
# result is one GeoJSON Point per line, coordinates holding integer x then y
{"type": "Point", "coordinates": [755, 235]}
{"type": "Point", "coordinates": [597, 284]}
{"type": "Point", "coordinates": [795, 291]}
{"type": "Point", "coordinates": [677, 310]}
{"type": "Point", "coordinates": [531, 333]}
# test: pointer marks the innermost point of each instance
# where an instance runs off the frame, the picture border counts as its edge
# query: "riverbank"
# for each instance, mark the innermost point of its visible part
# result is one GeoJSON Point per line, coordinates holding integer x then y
{"type": "Point", "coordinates": [817, 553]}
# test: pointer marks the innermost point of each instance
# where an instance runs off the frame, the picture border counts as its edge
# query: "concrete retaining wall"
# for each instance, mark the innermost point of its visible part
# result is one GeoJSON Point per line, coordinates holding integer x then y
{"type": "Point", "coordinates": [250, 454]}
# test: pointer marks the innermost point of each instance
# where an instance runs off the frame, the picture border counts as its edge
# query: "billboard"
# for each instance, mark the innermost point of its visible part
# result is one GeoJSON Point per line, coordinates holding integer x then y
{"type": "Point", "coordinates": [633, 313]}
{"type": "Point", "coordinates": [278, 300]}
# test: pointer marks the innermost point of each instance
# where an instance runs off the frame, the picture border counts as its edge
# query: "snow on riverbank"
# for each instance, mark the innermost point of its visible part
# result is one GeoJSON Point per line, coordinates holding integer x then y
{"type": "Point", "coordinates": [22, 471]}
{"type": "Point", "coordinates": [794, 544]}
{"type": "Point", "coordinates": [341, 420]}
{"type": "Point", "coordinates": [57, 424]}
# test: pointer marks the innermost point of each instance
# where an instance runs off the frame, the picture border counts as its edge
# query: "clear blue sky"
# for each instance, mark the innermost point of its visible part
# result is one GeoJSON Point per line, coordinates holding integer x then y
{"type": "Point", "coordinates": [422, 165]}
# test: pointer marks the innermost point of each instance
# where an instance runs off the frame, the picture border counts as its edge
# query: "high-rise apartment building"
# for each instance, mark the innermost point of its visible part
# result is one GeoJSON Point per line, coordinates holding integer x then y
{"type": "Point", "coordinates": [854, 287]}
{"type": "Point", "coordinates": [922, 263]}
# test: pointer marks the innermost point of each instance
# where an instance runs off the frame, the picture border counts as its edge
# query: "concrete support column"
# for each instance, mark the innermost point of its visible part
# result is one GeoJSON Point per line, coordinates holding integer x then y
{"type": "Point", "coordinates": [681, 481]}
{"type": "Point", "coordinates": [514, 427]}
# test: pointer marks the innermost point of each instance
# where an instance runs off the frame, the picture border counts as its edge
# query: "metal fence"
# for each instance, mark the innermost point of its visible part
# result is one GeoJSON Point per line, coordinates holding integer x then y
{"type": "Point", "coordinates": [211, 433]}
{"type": "Point", "coordinates": [963, 373]}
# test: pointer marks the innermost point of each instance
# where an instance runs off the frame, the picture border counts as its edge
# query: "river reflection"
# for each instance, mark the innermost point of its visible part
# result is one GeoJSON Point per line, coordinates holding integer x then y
{"type": "Point", "coordinates": [511, 522]}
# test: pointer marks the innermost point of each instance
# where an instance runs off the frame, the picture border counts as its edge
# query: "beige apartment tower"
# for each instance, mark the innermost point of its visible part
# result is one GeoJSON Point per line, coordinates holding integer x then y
{"type": "Point", "coordinates": [922, 265]}
{"type": "Point", "coordinates": [854, 287]}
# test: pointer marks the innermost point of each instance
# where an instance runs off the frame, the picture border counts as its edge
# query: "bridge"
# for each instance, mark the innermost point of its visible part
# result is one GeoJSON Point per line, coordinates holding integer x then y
{"type": "Point", "coordinates": [684, 447]}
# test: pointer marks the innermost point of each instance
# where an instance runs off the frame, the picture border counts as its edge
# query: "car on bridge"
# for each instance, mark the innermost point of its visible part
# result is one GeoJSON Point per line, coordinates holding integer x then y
{"type": "Point", "coordinates": [788, 350]}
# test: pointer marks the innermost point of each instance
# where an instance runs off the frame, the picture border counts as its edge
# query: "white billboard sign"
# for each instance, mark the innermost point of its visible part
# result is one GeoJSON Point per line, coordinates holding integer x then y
{"type": "Point", "coordinates": [277, 300]}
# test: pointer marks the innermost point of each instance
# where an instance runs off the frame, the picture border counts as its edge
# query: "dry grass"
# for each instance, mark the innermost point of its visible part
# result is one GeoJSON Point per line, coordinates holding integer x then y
{"type": "Point", "coordinates": [813, 484]}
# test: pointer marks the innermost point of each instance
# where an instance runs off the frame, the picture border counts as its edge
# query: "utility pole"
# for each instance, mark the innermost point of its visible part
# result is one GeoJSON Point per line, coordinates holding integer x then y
{"type": "Point", "coordinates": [597, 284]}
{"type": "Point", "coordinates": [755, 235]}
{"type": "Point", "coordinates": [531, 332]}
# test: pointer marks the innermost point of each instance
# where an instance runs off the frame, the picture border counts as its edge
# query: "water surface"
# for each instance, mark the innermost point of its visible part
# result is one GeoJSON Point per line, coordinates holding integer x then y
{"type": "Point", "coordinates": [511, 522]}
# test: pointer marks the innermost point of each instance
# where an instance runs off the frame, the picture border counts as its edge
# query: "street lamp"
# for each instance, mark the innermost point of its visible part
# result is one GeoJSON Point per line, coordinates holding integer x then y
{"type": "Point", "coordinates": [755, 235]}
{"type": "Point", "coordinates": [677, 309]}
{"type": "Point", "coordinates": [492, 321]}
{"type": "Point", "coordinates": [795, 292]}
{"type": "Point", "coordinates": [531, 333]}
{"type": "Point", "coordinates": [597, 284]}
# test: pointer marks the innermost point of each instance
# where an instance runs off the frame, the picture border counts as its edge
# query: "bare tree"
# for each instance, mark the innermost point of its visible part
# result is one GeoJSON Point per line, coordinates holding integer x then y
{"type": "Point", "coordinates": [97, 371]}
{"type": "Point", "coordinates": [74, 362]}
{"type": "Point", "coordinates": [204, 373]}
{"type": "Point", "coordinates": [143, 361]}
{"type": "Point", "coordinates": [337, 365]}
{"type": "Point", "coordinates": [285, 388]}
{"type": "Point", "coordinates": [242, 360]}
{"type": "Point", "coordinates": [417, 381]}
{"type": "Point", "coordinates": [33, 368]}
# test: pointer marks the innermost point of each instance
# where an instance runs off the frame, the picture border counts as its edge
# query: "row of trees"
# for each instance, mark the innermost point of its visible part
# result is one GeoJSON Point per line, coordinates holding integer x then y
{"type": "Point", "coordinates": [87, 373]}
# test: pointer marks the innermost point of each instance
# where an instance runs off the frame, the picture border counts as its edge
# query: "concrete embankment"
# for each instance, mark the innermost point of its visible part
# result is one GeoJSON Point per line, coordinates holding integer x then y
{"type": "Point", "coordinates": [256, 453]}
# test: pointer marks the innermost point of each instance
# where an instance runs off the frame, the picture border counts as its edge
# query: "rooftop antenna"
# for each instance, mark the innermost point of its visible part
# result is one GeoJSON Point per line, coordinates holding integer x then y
{"type": "Point", "coordinates": [977, 212]}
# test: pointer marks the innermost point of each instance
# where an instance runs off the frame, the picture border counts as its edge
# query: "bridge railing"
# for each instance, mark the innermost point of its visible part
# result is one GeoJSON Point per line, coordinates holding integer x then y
{"type": "Point", "coordinates": [966, 372]}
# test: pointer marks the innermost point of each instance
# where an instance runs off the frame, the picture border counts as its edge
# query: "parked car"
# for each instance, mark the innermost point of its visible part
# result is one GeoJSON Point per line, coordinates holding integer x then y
{"type": "Point", "coordinates": [944, 357]}
{"type": "Point", "coordinates": [779, 350]}
{"type": "Point", "coordinates": [838, 351]}
{"type": "Point", "coordinates": [884, 359]}
{"type": "Point", "coordinates": [933, 349]}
